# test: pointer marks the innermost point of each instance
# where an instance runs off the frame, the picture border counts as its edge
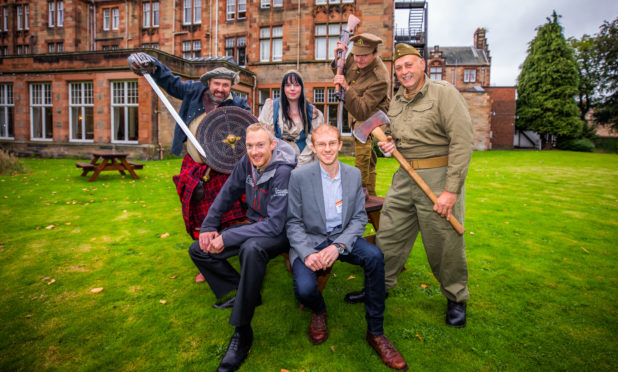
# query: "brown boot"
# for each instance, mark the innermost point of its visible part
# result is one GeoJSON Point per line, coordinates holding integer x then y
{"type": "Point", "coordinates": [387, 352]}
{"type": "Point", "coordinates": [318, 330]}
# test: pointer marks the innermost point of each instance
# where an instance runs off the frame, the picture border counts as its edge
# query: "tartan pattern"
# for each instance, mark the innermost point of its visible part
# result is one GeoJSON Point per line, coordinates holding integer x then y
{"type": "Point", "coordinates": [193, 215]}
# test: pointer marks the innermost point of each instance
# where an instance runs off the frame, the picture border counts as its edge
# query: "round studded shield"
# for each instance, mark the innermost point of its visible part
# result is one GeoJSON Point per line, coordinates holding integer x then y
{"type": "Point", "coordinates": [222, 136]}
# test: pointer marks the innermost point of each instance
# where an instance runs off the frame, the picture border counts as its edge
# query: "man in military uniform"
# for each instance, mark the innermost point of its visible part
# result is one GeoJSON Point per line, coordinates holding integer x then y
{"type": "Point", "coordinates": [431, 127]}
{"type": "Point", "coordinates": [367, 89]}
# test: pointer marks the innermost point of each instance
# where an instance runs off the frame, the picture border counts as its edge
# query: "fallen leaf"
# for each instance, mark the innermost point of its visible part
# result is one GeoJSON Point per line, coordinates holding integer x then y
{"type": "Point", "coordinates": [96, 290]}
{"type": "Point", "coordinates": [163, 236]}
{"type": "Point", "coordinates": [46, 278]}
{"type": "Point", "coordinates": [351, 277]}
{"type": "Point", "coordinates": [284, 370]}
{"type": "Point", "coordinates": [38, 228]}
{"type": "Point", "coordinates": [50, 226]}
{"type": "Point", "coordinates": [424, 285]}
{"type": "Point", "coordinates": [471, 232]}
{"type": "Point", "coordinates": [419, 337]}
{"type": "Point", "coordinates": [51, 281]}
{"type": "Point", "coordinates": [173, 277]}
{"type": "Point", "coordinates": [67, 223]}
{"type": "Point", "coordinates": [6, 197]}
{"type": "Point", "coordinates": [47, 204]}
{"type": "Point", "coordinates": [93, 239]}
{"type": "Point", "coordinates": [506, 222]}
{"type": "Point", "coordinates": [585, 250]}
{"type": "Point", "coordinates": [162, 302]}
{"type": "Point", "coordinates": [332, 348]}
{"type": "Point", "coordinates": [29, 316]}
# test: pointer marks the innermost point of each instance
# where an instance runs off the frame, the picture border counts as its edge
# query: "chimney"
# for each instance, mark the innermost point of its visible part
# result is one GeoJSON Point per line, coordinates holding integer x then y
{"type": "Point", "coordinates": [480, 42]}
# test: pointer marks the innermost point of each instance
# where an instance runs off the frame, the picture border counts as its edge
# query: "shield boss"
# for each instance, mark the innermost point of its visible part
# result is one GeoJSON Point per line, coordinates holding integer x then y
{"type": "Point", "coordinates": [222, 136]}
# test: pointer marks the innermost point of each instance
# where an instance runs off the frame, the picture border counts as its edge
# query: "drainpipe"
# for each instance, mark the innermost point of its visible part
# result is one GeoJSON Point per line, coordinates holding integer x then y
{"type": "Point", "coordinates": [126, 21]}
{"type": "Point", "coordinates": [174, 31]}
{"type": "Point", "coordinates": [217, 28]}
{"type": "Point", "coordinates": [298, 39]}
{"type": "Point", "coordinates": [210, 28]}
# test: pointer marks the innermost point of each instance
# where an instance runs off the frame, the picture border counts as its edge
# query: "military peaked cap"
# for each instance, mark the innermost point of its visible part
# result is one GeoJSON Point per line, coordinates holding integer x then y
{"type": "Point", "coordinates": [364, 44]}
{"type": "Point", "coordinates": [402, 49]}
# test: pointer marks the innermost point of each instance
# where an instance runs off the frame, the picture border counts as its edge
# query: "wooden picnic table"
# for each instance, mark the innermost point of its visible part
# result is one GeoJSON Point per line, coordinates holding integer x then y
{"type": "Point", "coordinates": [110, 161]}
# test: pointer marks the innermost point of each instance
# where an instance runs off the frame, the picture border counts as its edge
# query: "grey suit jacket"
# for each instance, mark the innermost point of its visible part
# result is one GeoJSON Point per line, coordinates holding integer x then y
{"type": "Point", "coordinates": [306, 219]}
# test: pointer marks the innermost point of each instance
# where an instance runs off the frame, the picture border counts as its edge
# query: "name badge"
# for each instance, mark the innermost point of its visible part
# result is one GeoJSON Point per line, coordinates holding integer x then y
{"type": "Point", "coordinates": [339, 206]}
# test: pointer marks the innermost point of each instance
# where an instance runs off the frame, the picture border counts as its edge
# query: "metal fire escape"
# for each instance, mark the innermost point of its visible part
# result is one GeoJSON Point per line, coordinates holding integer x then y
{"type": "Point", "coordinates": [416, 32]}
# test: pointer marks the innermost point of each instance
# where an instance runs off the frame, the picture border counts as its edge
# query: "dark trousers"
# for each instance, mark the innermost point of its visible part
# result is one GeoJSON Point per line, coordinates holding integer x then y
{"type": "Point", "coordinates": [364, 254]}
{"type": "Point", "coordinates": [254, 254]}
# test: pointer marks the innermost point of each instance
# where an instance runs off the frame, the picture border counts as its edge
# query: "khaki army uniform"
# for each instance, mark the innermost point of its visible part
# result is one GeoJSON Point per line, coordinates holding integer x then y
{"type": "Point", "coordinates": [432, 124]}
{"type": "Point", "coordinates": [368, 92]}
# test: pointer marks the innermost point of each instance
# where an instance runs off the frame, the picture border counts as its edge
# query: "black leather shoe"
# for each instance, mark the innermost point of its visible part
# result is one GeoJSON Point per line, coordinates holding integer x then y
{"type": "Point", "coordinates": [358, 296]}
{"type": "Point", "coordinates": [456, 314]}
{"type": "Point", "coordinates": [226, 304]}
{"type": "Point", "coordinates": [355, 297]}
{"type": "Point", "coordinates": [236, 353]}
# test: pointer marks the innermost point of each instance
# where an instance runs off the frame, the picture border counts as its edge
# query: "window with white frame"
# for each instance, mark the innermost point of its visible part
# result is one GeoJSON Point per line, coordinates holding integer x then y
{"type": "Point", "coordinates": [51, 48]}
{"type": "Point", "coordinates": [155, 14]}
{"type": "Point", "coordinates": [106, 19]}
{"type": "Point", "coordinates": [469, 75]}
{"type": "Point", "coordinates": [150, 14]}
{"type": "Point", "coordinates": [197, 12]}
{"type": "Point", "coordinates": [20, 19]}
{"type": "Point", "coordinates": [5, 18]}
{"type": "Point", "coordinates": [26, 17]}
{"type": "Point", "coordinates": [271, 43]}
{"type": "Point", "coordinates": [5, 50]}
{"type": "Point", "coordinates": [7, 112]}
{"type": "Point", "coordinates": [264, 44]}
{"type": "Point", "coordinates": [236, 48]}
{"type": "Point", "coordinates": [435, 73]}
{"type": "Point", "coordinates": [191, 12]}
{"type": "Point", "coordinates": [324, 2]}
{"type": "Point", "coordinates": [125, 124]}
{"type": "Point", "coordinates": [236, 9]}
{"type": "Point", "coordinates": [146, 15]}
{"type": "Point", "coordinates": [265, 4]}
{"type": "Point", "coordinates": [60, 13]}
{"type": "Point", "coordinates": [55, 16]}
{"type": "Point", "coordinates": [115, 18]}
{"type": "Point", "coordinates": [81, 107]}
{"type": "Point", "coordinates": [326, 101]}
{"type": "Point", "coordinates": [41, 121]}
{"type": "Point", "coordinates": [151, 45]}
{"type": "Point", "coordinates": [51, 19]}
{"type": "Point", "coordinates": [264, 94]}
{"type": "Point", "coordinates": [59, 47]}
{"type": "Point", "coordinates": [241, 94]}
{"type": "Point", "coordinates": [191, 49]}
{"type": "Point", "coordinates": [326, 37]}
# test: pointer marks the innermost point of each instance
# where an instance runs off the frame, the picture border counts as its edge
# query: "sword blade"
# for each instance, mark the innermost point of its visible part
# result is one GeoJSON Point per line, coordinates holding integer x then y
{"type": "Point", "coordinates": [177, 117]}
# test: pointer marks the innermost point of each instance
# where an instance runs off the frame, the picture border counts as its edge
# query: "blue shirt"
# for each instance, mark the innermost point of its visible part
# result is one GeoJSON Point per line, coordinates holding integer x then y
{"type": "Point", "coordinates": [333, 199]}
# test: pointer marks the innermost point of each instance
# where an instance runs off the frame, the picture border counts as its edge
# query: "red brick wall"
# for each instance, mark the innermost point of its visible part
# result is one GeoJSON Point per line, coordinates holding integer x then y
{"type": "Point", "coordinates": [503, 118]}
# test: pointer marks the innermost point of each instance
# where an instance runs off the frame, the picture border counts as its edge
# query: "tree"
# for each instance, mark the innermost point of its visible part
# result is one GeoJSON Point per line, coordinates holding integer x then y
{"type": "Point", "coordinates": [587, 59]}
{"type": "Point", "coordinates": [606, 44]}
{"type": "Point", "coordinates": [547, 85]}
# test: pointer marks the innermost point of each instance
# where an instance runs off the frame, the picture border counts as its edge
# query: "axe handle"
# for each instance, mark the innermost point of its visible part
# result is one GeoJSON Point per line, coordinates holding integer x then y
{"type": "Point", "coordinates": [378, 133]}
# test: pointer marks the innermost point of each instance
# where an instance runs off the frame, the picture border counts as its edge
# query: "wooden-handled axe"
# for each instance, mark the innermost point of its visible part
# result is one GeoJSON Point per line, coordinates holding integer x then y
{"type": "Point", "coordinates": [372, 126]}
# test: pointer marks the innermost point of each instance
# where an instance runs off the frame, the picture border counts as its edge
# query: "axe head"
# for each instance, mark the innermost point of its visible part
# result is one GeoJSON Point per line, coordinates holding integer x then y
{"type": "Point", "coordinates": [363, 131]}
{"type": "Point", "coordinates": [353, 21]}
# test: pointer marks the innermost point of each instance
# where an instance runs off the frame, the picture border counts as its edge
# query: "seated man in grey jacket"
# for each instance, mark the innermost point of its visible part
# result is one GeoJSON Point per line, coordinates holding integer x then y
{"type": "Point", "coordinates": [326, 219]}
{"type": "Point", "coordinates": [263, 175]}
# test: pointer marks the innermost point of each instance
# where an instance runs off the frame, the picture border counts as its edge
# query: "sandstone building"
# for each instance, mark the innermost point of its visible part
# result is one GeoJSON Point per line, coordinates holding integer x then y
{"type": "Point", "coordinates": [66, 90]}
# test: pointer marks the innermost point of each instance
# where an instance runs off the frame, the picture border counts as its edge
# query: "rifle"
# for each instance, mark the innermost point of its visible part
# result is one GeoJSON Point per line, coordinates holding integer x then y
{"type": "Point", "coordinates": [353, 21]}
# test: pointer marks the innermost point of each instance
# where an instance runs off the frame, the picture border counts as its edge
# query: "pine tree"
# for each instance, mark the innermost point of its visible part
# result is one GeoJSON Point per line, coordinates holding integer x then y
{"type": "Point", "coordinates": [547, 85]}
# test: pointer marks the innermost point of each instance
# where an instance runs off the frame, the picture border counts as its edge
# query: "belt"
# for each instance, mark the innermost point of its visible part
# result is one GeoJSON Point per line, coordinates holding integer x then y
{"type": "Point", "coordinates": [438, 161]}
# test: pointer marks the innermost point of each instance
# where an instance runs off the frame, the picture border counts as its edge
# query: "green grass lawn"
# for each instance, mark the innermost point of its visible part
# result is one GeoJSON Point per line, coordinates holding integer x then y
{"type": "Point", "coordinates": [542, 238]}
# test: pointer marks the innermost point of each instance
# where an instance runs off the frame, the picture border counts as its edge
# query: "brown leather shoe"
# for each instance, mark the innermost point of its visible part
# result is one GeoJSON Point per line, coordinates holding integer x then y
{"type": "Point", "coordinates": [385, 349]}
{"type": "Point", "coordinates": [318, 331]}
{"type": "Point", "coordinates": [199, 278]}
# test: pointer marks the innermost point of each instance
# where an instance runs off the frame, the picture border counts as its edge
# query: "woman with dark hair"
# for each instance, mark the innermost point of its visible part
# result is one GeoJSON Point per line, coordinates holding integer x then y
{"type": "Point", "coordinates": [292, 116]}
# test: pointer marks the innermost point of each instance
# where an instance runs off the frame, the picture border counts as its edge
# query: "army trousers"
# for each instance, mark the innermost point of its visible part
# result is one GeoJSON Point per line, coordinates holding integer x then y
{"type": "Point", "coordinates": [408, 211]}
{"type": "Point", "coordinates": [365, 159]}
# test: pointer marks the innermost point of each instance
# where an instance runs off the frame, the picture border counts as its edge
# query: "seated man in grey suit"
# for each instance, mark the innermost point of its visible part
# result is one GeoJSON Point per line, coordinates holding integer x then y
{"type": "Point", "coordinates": [325, 222]}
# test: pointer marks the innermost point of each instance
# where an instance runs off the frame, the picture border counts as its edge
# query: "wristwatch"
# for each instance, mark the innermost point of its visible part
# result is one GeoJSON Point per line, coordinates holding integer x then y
{"type": "Point", "coordinates": [340, 247]}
